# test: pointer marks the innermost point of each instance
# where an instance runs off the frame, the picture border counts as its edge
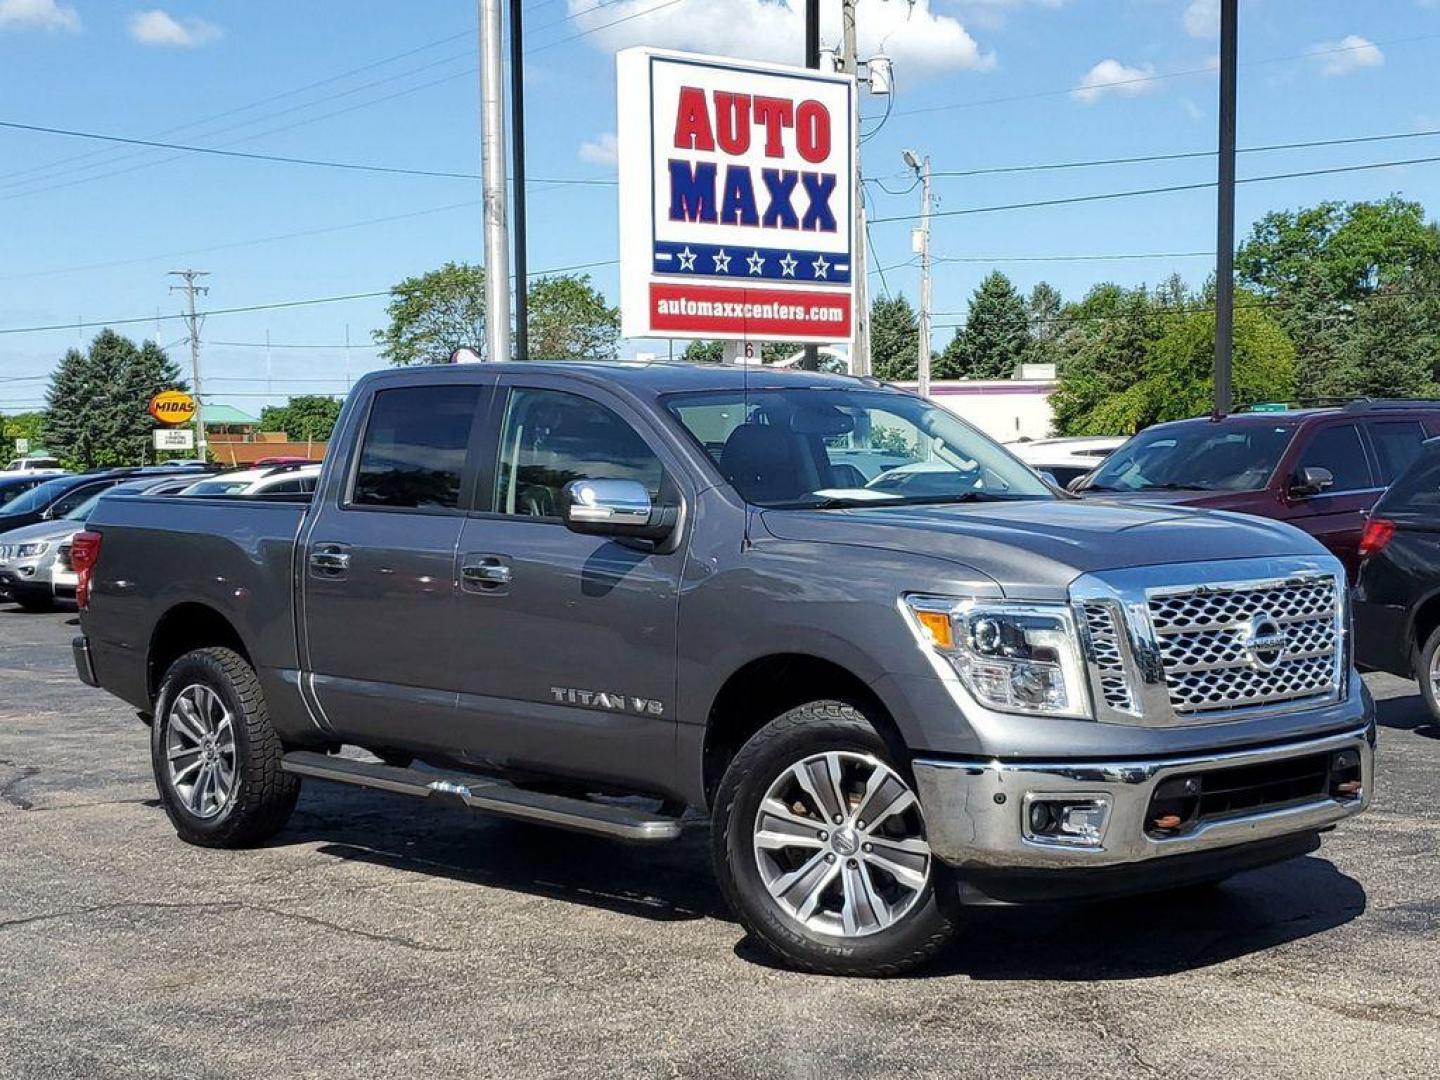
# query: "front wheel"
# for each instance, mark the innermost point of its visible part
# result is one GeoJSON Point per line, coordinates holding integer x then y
{"type": "Point", "coordinates": [215, 753]}
{"type": "Point", "coordinates": [820, 847]}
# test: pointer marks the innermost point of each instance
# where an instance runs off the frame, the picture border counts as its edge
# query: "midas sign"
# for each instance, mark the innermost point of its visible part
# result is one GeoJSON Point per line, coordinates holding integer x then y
{"type": "Point", "coordinates": [735, 199]}
{"type": "Point", "coordinates": [172, 407]}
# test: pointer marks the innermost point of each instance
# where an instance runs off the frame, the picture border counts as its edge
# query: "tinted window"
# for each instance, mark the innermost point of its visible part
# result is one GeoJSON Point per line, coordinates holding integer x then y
{"type": "Point", "coordinates": [1417, 490]}
{"type": "Point", "coordinates": [1338, 449]}
{"type": "Point", "coordinates": [1397, 444]}
{"type": "Point", "coordinates": [414, 447]}
{"type": "Point", "coordinates": [551, 438]}
{"type": "Point", "coordinates": [10, 492]}
{"type": "Point", "coordinates": [63, 506]}
{"type": "Point", "coordinates": [42, 495]}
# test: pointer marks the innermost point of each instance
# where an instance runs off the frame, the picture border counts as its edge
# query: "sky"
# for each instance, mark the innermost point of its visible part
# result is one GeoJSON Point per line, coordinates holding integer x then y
{"type": "Point", "coordinates": [89, 229]}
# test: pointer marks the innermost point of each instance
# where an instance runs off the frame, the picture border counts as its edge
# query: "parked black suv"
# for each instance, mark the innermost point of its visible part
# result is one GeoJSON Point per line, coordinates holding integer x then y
{"type": "Point", "coordinates": [1397, 596]}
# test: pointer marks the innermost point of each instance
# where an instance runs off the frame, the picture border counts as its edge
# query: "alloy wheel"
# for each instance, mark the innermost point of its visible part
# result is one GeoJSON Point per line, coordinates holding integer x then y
{"type": "Point", "coordinates": [200, 750]}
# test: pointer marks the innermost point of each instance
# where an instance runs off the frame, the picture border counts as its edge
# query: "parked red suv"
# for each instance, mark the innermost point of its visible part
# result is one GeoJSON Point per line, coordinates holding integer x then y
{"type": "Point", "coordinates": [1320, 469]}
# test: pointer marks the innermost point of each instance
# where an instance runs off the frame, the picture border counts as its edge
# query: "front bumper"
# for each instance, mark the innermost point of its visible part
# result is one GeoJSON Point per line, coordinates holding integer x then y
{"type": "Point", "coordinates": [975, 811]}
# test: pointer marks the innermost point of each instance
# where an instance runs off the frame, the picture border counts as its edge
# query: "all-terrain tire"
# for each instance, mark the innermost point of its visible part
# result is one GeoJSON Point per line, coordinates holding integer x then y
{"type": "Point", "coordinates": [262, 796]}
{"type": "Point", "coordinates": [814, 728]}
{"type": "Point", "coordinates": [1425, 665]}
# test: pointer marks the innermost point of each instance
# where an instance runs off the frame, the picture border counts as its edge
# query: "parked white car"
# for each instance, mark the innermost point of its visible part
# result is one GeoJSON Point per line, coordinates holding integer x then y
{"type": "Point", "coordinates": [270, 480]}
{"type": "Point", "coordinates": [1066, 459]}
{"type": "Point", "coordinates": [32, 466]}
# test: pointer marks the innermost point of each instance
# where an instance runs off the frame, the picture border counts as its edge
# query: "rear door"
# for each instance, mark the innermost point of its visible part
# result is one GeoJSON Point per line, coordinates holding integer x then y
{"type": "Point", "coordinates": [384, 646]}
{"type": "Point", "coordinates": [1335, 517]}
{"type": "Point", "coordinates": [569, 642]}
{"type": "Point", "coordinates": [1396, 444]}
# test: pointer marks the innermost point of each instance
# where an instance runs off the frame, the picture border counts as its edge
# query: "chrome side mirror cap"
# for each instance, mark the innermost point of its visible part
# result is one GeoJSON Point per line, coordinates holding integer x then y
{"type": "Point", "coordinates": [619, 508]}
{"type": "Point", "coordinates": [1310, 481]}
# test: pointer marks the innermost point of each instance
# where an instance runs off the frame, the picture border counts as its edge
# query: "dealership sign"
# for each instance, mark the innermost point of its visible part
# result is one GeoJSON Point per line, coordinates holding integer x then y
{"type": "Point", "coordinates": [172, 407]}
{"type": "Point", "coordinates": [735, 188]}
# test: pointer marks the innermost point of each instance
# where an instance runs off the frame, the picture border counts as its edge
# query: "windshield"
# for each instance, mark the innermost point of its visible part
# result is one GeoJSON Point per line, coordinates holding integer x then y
{"type": "Point", "coordinates": [41, 496]}
{"type": "Point", "coordinates": [818, 447]}
{"type": "Point", "coordinates": [10, 492]}
{"type": "Point", "coordinates": [1195, 457]}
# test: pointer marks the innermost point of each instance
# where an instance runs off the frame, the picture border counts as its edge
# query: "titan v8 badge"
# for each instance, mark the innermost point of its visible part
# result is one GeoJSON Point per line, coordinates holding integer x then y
{"type": "Point", "coordinates": [604, 699]}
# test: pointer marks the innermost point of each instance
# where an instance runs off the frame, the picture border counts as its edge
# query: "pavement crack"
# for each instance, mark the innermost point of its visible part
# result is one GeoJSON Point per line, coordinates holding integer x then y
{"type": "Point", "coordinates": [1126, 1045]}
{"type": "Point", "coordinates": [226, 905]}
{"type": "Point", "coordinates": [7, 790]}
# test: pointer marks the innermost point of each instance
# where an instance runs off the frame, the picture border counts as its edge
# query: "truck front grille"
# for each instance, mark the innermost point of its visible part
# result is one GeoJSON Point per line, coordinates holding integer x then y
{"type": "Point", "coordinates": [1238, 646]}
{"type": "Point", "coordinates": [1104, 638]}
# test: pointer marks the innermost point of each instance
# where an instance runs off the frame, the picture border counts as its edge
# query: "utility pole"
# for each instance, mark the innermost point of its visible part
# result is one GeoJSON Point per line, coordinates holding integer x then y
{"type": "Point", "coordinates": [190, 289]}
{"type": "Point", "coordinates": [922, 248]}
{"type": "Point", "coordinates": [492, 167]}
{"type": "Point", "coordinates": [812, 60]}
{"type": "Point", "coordinates": [517, 170]}
{"type": "Point", "coordinates": [860, 342]}
{"type": "Point", "coordinates": [1225, 216]}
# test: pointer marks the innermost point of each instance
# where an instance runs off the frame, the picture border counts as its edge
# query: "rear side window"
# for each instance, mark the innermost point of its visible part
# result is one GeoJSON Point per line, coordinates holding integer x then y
{"type": "Point", "coordinates": [413, 451]}
{"type": "Point", "coordinates": [1338, 448]}
{"type": "Point", "coordinates": [1418, 490]}
{"type": "Point", "coordinates": [1397, 445]}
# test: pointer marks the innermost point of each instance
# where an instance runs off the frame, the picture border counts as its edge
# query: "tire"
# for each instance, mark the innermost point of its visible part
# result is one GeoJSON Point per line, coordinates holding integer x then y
{"type": "Point", "coordinates": [259, 798]}
{"type": "Point", "coordinates": [1427, 673]}
{"type": "Point", "coordinates": [911, 923]}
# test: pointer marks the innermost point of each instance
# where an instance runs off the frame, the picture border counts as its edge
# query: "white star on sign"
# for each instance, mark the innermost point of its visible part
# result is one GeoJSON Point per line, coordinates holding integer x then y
{"type": "Point", "coordinates": [721, 261]}
{"type": "Point", "coordinates": [788, 264]}
{"type": "Point", "coordinates": [822, 268]}
{"type": "Point", "coordinates": [756, 262]}
{"type": "Point", "coordinates": [687, 259]}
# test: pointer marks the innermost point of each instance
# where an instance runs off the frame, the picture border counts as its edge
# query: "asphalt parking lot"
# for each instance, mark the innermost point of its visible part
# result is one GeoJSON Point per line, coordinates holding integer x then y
{"type": "Point", "coordinates": [378, 937]}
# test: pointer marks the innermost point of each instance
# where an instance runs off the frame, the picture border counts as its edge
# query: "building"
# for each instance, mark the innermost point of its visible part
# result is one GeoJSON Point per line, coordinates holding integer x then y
{"type": "Point", "coordinates": [1005, 409]}
{"type": "Point", "coordinates": [236, 440]}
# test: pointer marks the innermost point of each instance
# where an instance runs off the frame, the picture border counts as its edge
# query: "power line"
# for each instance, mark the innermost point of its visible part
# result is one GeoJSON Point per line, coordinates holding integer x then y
{"type": "Point", "coordinates": [1122, 257]}
{"type": "Point", "coordinates": [1169, 189]}
{"type": "Point", "coordinates": [604, 26]}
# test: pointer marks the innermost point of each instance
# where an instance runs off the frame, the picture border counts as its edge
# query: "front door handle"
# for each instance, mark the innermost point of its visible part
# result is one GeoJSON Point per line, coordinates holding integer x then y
{"type": "Point", "coordinates": [329, 561]}
{"type": "Point", "coordinates": [488, 575]}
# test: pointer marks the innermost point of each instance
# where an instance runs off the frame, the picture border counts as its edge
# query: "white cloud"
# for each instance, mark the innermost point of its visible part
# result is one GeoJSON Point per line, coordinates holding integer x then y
{"type": "Point", "coordinates": [917, 39]}
{"type": "Point", "coordinates": [1113, 77]}
{"type": "Point", "coordinates": [1202, 18]}
{"type": "Point", "coordinates": [38, 15]}
{"type": "Point", "coordinates": [600, 150]}
{"type": "Point", "coordinates": [1350, 54]}
{"type": "Point", "coordinates": [158, 27]}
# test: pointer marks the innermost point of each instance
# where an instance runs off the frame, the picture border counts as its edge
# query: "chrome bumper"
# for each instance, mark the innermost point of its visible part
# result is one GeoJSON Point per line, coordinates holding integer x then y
{"type": "Point", "coordinates": [975, 811]}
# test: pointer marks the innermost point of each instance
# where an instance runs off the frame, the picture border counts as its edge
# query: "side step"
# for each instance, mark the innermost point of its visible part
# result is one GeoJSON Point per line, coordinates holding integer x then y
{"type": "Point", "coordinates": [491, 796]}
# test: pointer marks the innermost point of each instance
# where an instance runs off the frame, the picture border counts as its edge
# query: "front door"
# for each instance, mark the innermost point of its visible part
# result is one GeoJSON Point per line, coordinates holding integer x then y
{"type": "Point", "coordinates": [568, 661]}
{"type": "Point", "coordinates": [380, 582]}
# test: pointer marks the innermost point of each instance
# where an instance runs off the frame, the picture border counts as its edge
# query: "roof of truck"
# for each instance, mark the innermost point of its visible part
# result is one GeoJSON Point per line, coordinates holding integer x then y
{"type": "Point", "coordinates": [659, 377]}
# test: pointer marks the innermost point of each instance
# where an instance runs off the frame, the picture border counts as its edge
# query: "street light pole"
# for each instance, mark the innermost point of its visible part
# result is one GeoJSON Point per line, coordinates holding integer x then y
{"type": "Point", "coordinates": [517, 171]}
{"type": "Point", "coordinates": [812, 60]}
{"type": "Point", "coordinates": [492, 166]}
{"type": "Point", "coordinates": [1225, 216]}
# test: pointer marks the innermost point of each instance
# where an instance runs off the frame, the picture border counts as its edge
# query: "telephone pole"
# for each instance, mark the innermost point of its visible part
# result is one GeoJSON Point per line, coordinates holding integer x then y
{"type": "Point", "coordinates": [190, 289]}
{"type": "Point", "coordinates": [812, 60]}
{"type": "Point", "coordinates": [1225, 217]}
{"type": "Point", "coordinates": [922, 248]}
{"type": "Point", "coordinates": [492, 167]}
{"type": "Point", "coordinates": [860, 342]}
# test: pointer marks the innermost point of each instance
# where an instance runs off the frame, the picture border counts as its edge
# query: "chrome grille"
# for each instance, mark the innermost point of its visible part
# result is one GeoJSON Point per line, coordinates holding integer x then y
{"type": "Point", "coordinates": [1105, 655]}
{"type": "Point", "coordinates": [1204, 640]}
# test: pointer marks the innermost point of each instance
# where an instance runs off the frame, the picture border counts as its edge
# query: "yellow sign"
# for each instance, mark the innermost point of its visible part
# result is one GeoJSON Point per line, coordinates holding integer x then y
{"type": "Point", "coordinates": [172, 407]}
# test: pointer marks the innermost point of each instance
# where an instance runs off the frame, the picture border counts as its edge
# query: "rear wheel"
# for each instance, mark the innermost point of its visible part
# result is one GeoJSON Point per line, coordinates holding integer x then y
{"type": "Point", "coordinates": [215, 753]}
{"type": "Point", "coordinates": [1427, 671]}
{"type": "Point", "coordinates": [820, 847]}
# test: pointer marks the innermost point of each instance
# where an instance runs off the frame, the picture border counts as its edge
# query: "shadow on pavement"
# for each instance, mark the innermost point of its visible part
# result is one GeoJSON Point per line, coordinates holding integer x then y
{"type": "Point", "coordinates": [1408, 713]}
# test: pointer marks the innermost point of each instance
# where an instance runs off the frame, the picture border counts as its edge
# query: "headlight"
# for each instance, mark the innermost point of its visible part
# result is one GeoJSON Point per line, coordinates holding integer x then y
{"type": "Point", "coordinates": [29, 551]}
{"type": "Point", "coordinates": [1013, 657]}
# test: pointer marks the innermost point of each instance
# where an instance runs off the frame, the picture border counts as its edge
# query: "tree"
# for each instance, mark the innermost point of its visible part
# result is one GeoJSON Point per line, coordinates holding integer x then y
{"type": "Point", "coordinates": [25, 425]}
{"type": "Point", "coordinates": [303, 418]}
{"type": "Point", "coordinates": [1101, 350]}
{"type": "Point", "coordinates": [96, 404]}
{"type": "Point", "coordinates": [1391, 348]}
{"type": "Point", "coordinates": [894, 339]}
{"type": "Point", "coordinates": [704, 352]}
{"type": "Point", "coordinates": [434, 314]}
{"type": "Point", "coordinates": [996, 336]}
{"type": "Point", "coordinates": [1318, 266]}
{"type": "Point", "coordinates": [569, 320]}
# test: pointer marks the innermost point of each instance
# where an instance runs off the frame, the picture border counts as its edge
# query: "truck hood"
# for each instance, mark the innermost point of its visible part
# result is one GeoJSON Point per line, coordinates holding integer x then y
{"type": "Point", "coordinates": [1211, 500]}
{"type": "Point", "coordinates": [1035, 549]}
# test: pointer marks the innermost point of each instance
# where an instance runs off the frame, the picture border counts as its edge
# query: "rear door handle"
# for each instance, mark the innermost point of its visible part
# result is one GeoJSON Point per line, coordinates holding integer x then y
{"type": "Point", "coordinates": [489, 575]}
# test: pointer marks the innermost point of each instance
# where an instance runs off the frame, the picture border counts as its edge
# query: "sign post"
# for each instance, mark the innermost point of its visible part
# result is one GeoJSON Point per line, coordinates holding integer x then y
{"type": "Point", "coordinates": [735, 199]}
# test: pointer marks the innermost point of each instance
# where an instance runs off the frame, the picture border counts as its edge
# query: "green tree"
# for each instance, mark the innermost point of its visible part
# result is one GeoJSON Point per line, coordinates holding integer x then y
{"type": "Point", "coordinates": [303, 418]}
{"type": "Point", "coordinates": [569, 320]}
{"type": "Point", "coordinates": [1100, 352]}
{"type": "Point", "coordinates": [701, 351]}
{"type": "Point", "coordinates": [25, 425]}
{"type": "Point", "coordinates": [1391, 348]}
{"type": "Point", "coordinates": [894, 339]}
{"type": "Point", "coordinates": [996, 336]}
{"type": "Point", "coordinates": [96, 405]}
{"type": "Point", "coordinates": [434, 314]}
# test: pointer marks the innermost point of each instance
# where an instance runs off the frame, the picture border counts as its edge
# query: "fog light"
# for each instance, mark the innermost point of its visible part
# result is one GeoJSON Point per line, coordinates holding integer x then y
{"type": "Point", "coordinates": [1067, 821]}
{"type": "Point", "coordinates": [1345, 777]}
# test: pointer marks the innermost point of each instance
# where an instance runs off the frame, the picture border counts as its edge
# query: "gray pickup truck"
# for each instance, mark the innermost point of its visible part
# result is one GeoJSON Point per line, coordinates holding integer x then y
{"type": "Point", "coordinates": [897, 669]}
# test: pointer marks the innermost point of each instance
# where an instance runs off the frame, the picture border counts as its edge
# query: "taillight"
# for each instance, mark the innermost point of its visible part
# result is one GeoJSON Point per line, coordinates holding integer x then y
{"type": "Point", "coordinates": [84, 554]}
{"type": "Point", "coordinates": [1377, 534]}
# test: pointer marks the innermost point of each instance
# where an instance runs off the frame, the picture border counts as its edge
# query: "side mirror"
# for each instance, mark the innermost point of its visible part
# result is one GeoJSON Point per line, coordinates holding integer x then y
{"type": "Point", "coordinates": [1076, 484]}
{"type": "Point", "coordinates": [1310, 481]}
{"type": "Point", "coordinates": [620, 508]}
